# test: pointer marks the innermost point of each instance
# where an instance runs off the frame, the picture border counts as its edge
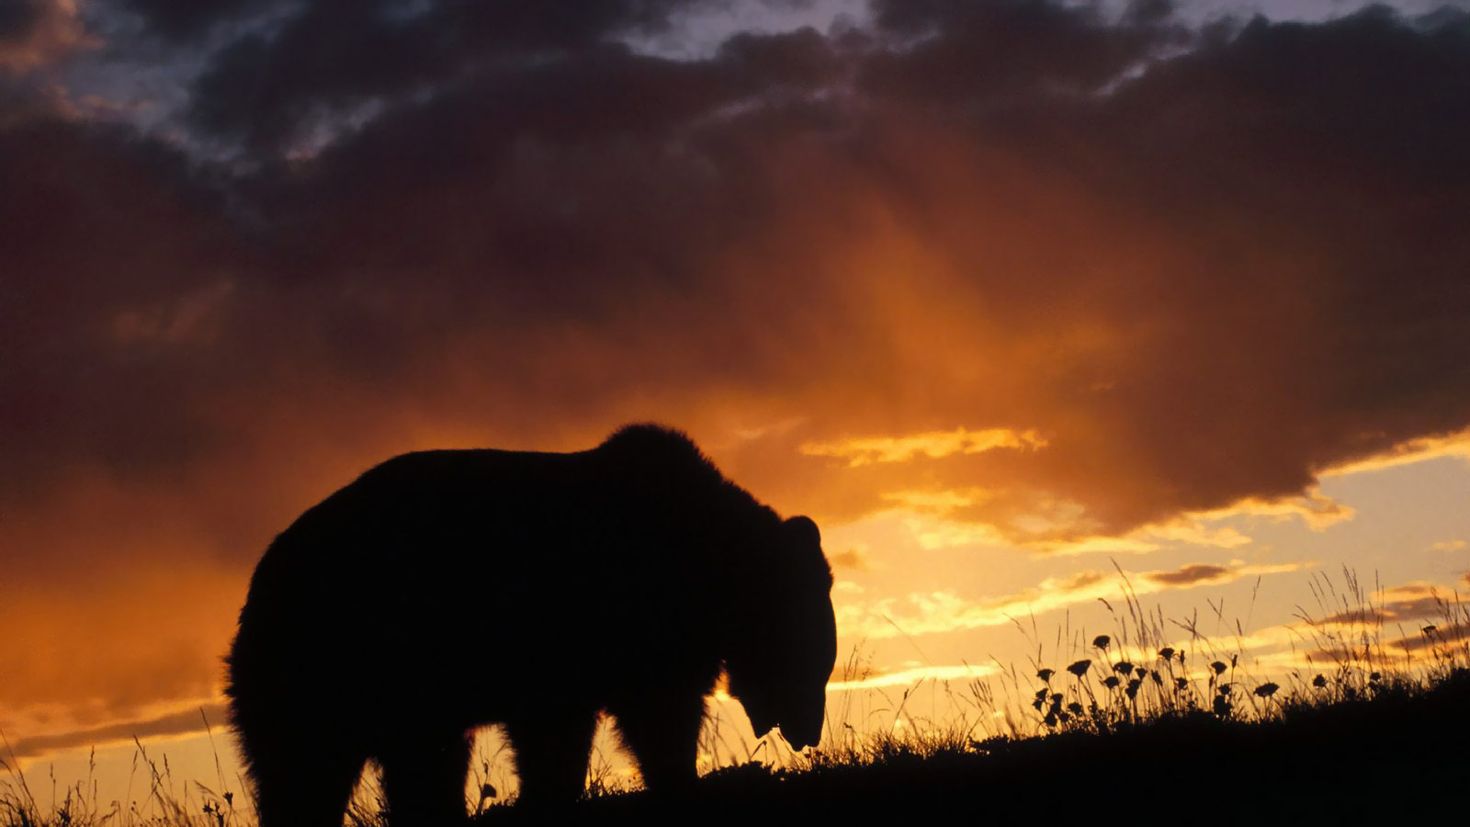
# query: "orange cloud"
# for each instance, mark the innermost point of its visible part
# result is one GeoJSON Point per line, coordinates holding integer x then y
{"type": "Point", "coordinates": [859, 451]}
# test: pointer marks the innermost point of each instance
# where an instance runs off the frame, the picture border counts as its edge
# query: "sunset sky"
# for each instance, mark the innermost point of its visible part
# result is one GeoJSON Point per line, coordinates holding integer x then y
{"type": "Point", "coordinates": [1007, 295]}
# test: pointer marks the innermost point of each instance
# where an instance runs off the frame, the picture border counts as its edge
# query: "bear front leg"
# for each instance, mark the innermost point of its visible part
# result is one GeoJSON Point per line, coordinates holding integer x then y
{"type": "Point", "coordinates": [305, 780]}
{"type": "Point", "coordinates": [424, 778]}
{"type": "Point", "coordinates": [663, 735]}
{"type": "Point", "coordinates": [551, 754]}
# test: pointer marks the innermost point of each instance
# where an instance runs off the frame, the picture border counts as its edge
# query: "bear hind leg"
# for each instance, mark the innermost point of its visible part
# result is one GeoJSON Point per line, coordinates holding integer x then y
{"type": "Point", "coordinates": [424, 779]}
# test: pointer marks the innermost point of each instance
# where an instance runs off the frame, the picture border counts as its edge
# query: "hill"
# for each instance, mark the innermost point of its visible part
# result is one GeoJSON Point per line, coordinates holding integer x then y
{"type": "Point", "coordinates": [1394, 752]}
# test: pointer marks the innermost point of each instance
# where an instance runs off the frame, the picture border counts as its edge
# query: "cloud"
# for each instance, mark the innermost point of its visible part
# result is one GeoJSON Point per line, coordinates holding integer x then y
{"type": "Point", "coordinates": [1198, 573]}
{"type": "Point", "coordinates": [944, 611]}
{"type": "Point", "coordinates": [34, 33]}
{"type": "Point", "coordinates": [1442, 637]}
{"type": "Point", "coordinates": [468, 244]}
{"type": "Point", "coordinates": [1418, 449]}
{"type": "Point", "coordinates": [115, 646]}
{"type": "Point", "coordinates": [859, 451]}
{"type": "Point", "coordinates": [1400, 604]}
{"type": "Point", "coordinates": [1365, 632]}
{"type": "Point", "coordinates": [186, 18]}
{"type": "Point", "coordinates": [182, 722]}
{"type": "Point", "coordinates": [855, 558]}
{"type": "Point", "coordinates": [910, 677]}
{"type": "Point", "coordinates": [1449, 545]}
{"type": "Point", "coordinates": [327, 59]}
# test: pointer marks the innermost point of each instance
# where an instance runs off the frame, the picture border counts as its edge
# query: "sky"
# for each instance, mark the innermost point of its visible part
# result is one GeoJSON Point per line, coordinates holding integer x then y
{"type": "Point", "coordinates": [1018, 299]}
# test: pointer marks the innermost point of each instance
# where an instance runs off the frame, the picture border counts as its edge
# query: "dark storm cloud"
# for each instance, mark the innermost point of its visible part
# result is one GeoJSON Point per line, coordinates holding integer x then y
{"type": "Point", "coordinates": [35, 32]}
{"type": "Point", "coordinates": [270, 88]}
{"type": "Point", "coordinates": [1247, 259]}
{"type": "Point", "coordinates": [1009, 52]}
{"type": "Point", "coordinates": [190, 18]}
{"type": "Point", "coordinates": [1200, 266]}
{"type": "Point", "coordinates": [107, 245]}
{"type": "Point", "coordinates": [19, 19]}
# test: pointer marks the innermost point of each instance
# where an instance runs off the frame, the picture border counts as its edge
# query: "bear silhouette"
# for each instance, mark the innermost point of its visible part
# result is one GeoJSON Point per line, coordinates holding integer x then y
{"type": "Point", "coordinates": [445, 590]}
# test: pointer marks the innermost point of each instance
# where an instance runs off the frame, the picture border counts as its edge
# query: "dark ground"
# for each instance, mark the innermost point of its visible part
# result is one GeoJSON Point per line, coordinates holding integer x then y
{"type": "Point", "coordinates": [1398, 758]}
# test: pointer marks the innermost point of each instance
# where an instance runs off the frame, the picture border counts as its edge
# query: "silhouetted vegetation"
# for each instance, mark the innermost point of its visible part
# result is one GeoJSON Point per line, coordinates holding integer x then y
{"type": "Point", "coordinates": [1374, 727]}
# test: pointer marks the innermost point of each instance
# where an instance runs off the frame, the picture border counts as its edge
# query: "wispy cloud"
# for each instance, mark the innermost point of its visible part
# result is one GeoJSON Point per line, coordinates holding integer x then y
{"type": "Point", "coordinates": [182, 722]}
{"type": "Point", "coordinates": [944, 611]}
{"type": "Point", "coordinates": [860, 451]}
{"type": "Point", "coordinates": [909, 677]}
{"type": "Point", "coordinates": [855, 558]}
{"type": "Point", "coordinates": [945, 518]}
{"type": "Point", "coordinates": [1407, 602]}
{"type": "Point", "coordinates": [1191, 575]}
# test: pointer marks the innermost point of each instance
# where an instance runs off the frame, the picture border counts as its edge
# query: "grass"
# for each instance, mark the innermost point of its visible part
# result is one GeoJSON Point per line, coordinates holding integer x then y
{"type": "Point", "coordinates": [1153, 720]}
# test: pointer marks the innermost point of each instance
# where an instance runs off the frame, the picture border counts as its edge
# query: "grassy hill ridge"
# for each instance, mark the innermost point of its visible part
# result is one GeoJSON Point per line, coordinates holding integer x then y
{"type": "Point", "coordinates": [1398, 752]}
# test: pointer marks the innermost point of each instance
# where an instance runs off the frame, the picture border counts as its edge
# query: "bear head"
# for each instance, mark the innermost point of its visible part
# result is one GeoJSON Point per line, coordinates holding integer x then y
{"type": "Point", "coordinates": [779, 666]}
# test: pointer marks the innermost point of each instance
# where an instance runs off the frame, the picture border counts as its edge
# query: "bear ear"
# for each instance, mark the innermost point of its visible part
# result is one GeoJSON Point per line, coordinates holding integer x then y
{"type": "Point", "coordinates": [803, 531]}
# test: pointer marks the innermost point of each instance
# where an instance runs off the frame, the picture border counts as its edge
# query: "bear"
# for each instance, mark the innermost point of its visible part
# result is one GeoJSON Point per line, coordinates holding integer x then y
{"type": "Point", "coordinates": [446, 590]}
